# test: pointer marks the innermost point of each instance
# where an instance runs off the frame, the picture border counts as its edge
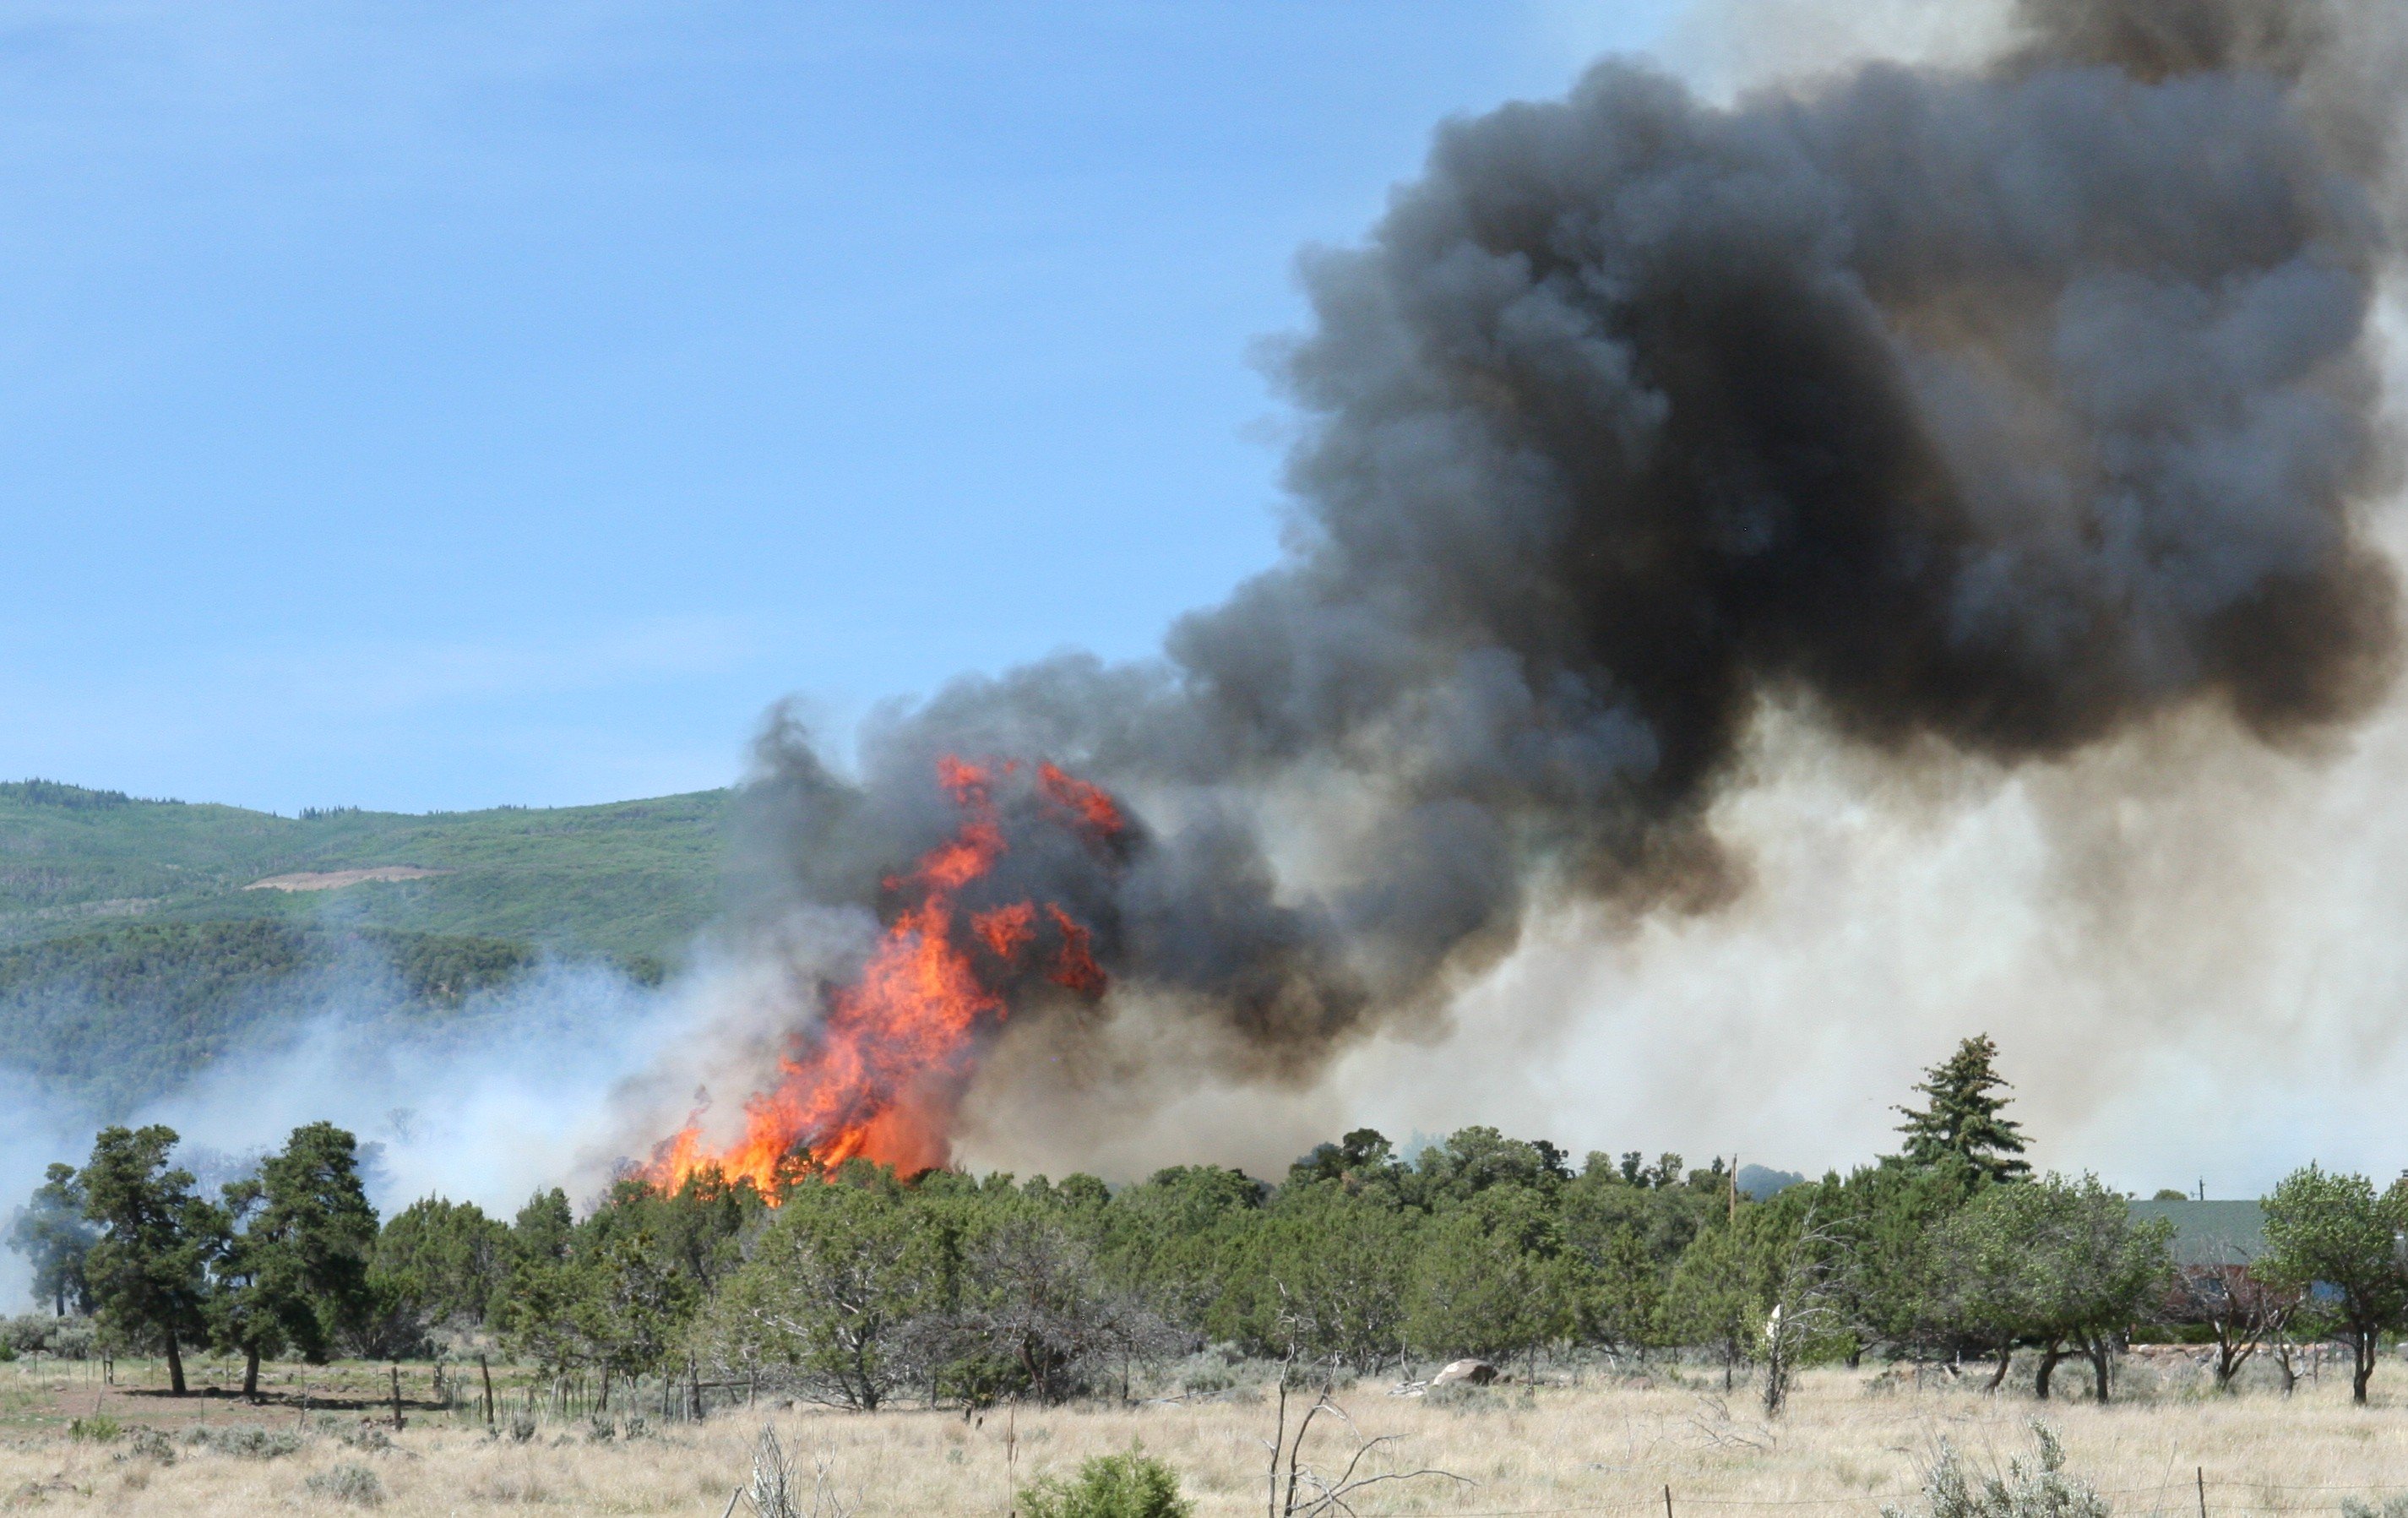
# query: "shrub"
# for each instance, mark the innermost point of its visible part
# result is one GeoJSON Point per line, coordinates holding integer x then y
{"type": "Point", "coordinates": [40, 1333]}
{"type": "Point", "coordinates": [1463, 1396]}
{"type": "Point", "coordinates": [2036, 1489]}
{"type": "Point", "coordinates": [1201, 1375]}
{"type": "Point", "coordinates": [354, 1483]}
{"type": "Point", "coordinates": [2395, 1506]}
{"type": "Point", "coordinates": [246, 1441]}
{"type": "Point", "coordinates": [522, 1428]}
{"type": "Point", "coordinates": [98, 1429]}
{"type": "Point", "coordinates": [1129, 1485]}
{"type": "Point", "coordinates": [362, 1435]}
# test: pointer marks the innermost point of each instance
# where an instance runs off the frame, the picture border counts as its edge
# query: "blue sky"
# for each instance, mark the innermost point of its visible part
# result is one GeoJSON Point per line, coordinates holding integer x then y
{"type": "Point", "coordinates": [435, 405]}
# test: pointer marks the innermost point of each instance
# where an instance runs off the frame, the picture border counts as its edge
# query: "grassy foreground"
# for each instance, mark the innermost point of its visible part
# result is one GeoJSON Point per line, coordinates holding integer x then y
{"type": "Point", "coordinates": [1847, 1444]}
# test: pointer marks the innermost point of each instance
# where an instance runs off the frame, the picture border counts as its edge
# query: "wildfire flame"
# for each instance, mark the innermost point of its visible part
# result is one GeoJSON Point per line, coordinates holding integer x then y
{"type": "Point", "coordinates": [877, 1077]}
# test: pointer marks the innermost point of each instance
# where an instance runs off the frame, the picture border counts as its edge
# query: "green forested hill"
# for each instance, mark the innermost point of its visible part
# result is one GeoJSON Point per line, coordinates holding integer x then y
{"type": "Point", "coordinates": [116, 1016]}
{"type": "Point", "coordinates": [632, 880]}
{"type": "Point", "coordinates": [135, 948]}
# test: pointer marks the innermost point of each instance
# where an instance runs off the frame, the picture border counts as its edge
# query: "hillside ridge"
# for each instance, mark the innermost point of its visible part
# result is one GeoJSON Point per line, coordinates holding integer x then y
{"type": "Point", "coordinates": [626, 878]}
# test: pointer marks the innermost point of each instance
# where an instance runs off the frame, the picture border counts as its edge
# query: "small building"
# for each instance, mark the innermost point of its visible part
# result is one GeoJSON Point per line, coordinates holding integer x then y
{"type": "Point", "coordinates": [2211, 1233]}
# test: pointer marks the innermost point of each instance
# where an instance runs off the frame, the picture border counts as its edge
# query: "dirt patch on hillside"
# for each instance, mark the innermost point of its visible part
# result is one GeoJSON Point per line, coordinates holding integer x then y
{"type": "Point", "coordinates": [335, 879]}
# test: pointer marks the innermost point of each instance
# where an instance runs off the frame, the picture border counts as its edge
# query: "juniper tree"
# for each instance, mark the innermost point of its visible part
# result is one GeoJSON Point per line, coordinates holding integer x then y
{"type": "Point", "coordinates": [1965, 1116]}
{"type": "Point", "coordinates": [53, 1234]}
{"type": "Point", "coordinates": [148, 1271]}
{"type": "Point", "coordinates": [296, 1274]}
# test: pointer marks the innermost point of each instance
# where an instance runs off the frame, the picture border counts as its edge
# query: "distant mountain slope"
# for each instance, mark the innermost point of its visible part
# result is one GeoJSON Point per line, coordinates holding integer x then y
{"type": "Point", "coordinates": [632, 880]}
{"type": "Point", "coordinates": [111, 1018]}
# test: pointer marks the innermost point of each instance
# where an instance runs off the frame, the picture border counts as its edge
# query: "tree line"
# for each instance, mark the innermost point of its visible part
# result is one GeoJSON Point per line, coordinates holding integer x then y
{"type": "Point", "coordinates": [856, 1286]}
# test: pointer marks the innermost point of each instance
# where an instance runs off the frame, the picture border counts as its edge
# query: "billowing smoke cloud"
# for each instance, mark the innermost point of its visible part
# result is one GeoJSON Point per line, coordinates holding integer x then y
{"type": "Point", "coordinates": [1980, 415]}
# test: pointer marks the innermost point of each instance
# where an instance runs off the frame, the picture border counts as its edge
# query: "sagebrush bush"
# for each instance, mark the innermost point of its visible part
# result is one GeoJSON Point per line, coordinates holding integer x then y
{"type": "Point", "coordinates": [40, 1333]}
{"type": "Point", "coordinates": [143, 1443]}
{"type": "Point", "coordinates": [2037, 1488]}
{"type": "Point", "coordinates": [2395, 1506]}
{"type": "Point", "coordinates": [354, 1483]}
{"type": "Point", "coordinates": [99, 1428]}
{"type": "Point", "coordinates": [246, 1441]}
{"type": "Point", "coordinates": [1201, 1375]}
{"type": "Point", "coordinates": [1131, 1486]}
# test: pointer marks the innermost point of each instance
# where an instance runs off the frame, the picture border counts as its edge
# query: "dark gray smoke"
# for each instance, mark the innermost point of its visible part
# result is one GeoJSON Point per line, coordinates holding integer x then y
{"type": "Point", "coordinates": [1991, 413]}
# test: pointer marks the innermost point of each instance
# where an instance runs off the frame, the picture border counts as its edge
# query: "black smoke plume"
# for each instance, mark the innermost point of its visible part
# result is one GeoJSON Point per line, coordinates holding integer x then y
{"type": "Point", "coordinates": [1992, 413]}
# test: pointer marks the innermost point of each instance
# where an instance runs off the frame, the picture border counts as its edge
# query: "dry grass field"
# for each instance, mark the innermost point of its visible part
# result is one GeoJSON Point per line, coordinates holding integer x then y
{"type": "Point", "coordinates": [1848, 1443]}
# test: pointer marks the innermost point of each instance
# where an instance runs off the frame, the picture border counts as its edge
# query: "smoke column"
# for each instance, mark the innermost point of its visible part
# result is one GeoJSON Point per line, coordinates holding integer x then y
{"type": "Point", "coordinates": [1975, 417]}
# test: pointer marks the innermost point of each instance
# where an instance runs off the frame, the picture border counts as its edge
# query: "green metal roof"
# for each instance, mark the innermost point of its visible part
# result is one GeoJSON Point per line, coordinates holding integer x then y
{"type": "Point", "coordinates": [2211, 1233]}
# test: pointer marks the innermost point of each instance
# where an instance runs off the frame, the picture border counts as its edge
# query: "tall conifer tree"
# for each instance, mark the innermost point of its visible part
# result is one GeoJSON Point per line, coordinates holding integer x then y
{"type": "Point", "coordinates": [1965, 1117]}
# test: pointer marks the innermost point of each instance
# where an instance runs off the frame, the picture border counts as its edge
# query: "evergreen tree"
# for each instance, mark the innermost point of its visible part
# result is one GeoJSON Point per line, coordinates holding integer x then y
{"type": "Point", "coordinates": [833, 1285]}
{"type": "Point", "coordinates": [1964, 1118]}
{"type": "Point", "coordinates": [296, 1274]}
{"type": "Point", "coordinates": [444, 1261]}
{"type": "Point", "coordinates": [52, 1234]}
{"type": "Point", "coordinates": [148, 1271]}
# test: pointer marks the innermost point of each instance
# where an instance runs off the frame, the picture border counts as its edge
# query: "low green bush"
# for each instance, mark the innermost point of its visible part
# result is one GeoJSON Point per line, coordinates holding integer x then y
{"type": "Point", "coordinates": [1131, 1486]}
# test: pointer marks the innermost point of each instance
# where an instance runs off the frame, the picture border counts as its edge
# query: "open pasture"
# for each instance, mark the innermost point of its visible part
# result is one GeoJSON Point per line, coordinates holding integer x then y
{"type": "Point", "coordinates": [1850, 1442]}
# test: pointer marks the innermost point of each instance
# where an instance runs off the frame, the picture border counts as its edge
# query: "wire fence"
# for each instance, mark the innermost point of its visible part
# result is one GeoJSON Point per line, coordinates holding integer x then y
{"type": "Point", "coordinates": [2187, 1496]}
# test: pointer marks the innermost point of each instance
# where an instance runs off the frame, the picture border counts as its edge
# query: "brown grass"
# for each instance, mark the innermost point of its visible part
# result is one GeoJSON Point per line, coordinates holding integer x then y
{"type": "Point", "coordinates": [1843, 1449]}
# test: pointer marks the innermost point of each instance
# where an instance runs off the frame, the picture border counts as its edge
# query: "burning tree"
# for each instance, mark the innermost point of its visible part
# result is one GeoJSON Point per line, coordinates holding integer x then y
{"type": "Point", "coordinates": [880, 1075]}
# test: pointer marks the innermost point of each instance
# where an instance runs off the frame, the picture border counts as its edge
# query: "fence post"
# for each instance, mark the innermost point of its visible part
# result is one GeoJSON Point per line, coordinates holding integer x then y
{"type": "Point", "coordinates": [487, 1371]}
{"type": "Point", "coordinates": [2203, 1492]}
{"type": "Point", "coordinates": [1668, 1501]}
{"type": "Point", "coordinates": [396, 1396]}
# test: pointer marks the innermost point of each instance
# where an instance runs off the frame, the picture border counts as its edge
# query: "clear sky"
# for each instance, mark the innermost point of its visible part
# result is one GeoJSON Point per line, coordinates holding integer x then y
{"type": "Point", "coordinates": [439, 405]}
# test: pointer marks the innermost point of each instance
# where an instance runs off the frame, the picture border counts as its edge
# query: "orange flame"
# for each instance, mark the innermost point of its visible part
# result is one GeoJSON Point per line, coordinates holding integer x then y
{"type": "Point", "coordinates": [878, 1078]}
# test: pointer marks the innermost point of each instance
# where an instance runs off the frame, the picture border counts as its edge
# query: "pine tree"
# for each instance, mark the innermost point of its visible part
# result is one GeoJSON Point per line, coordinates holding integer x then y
{"type": "Point", "coordinates": [1964, 1116]}
{"type": "Point", "coordinates": [148, 1273]}
{"type": "Point", "coordinates": [52, 1234]}
{"type": "Point", "coordinates": [296, 1275]}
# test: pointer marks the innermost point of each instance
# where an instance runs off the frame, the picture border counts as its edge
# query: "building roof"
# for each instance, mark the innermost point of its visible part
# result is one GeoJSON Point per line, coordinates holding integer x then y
{"type": "Point", "coordinates": [2211, 1233]}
